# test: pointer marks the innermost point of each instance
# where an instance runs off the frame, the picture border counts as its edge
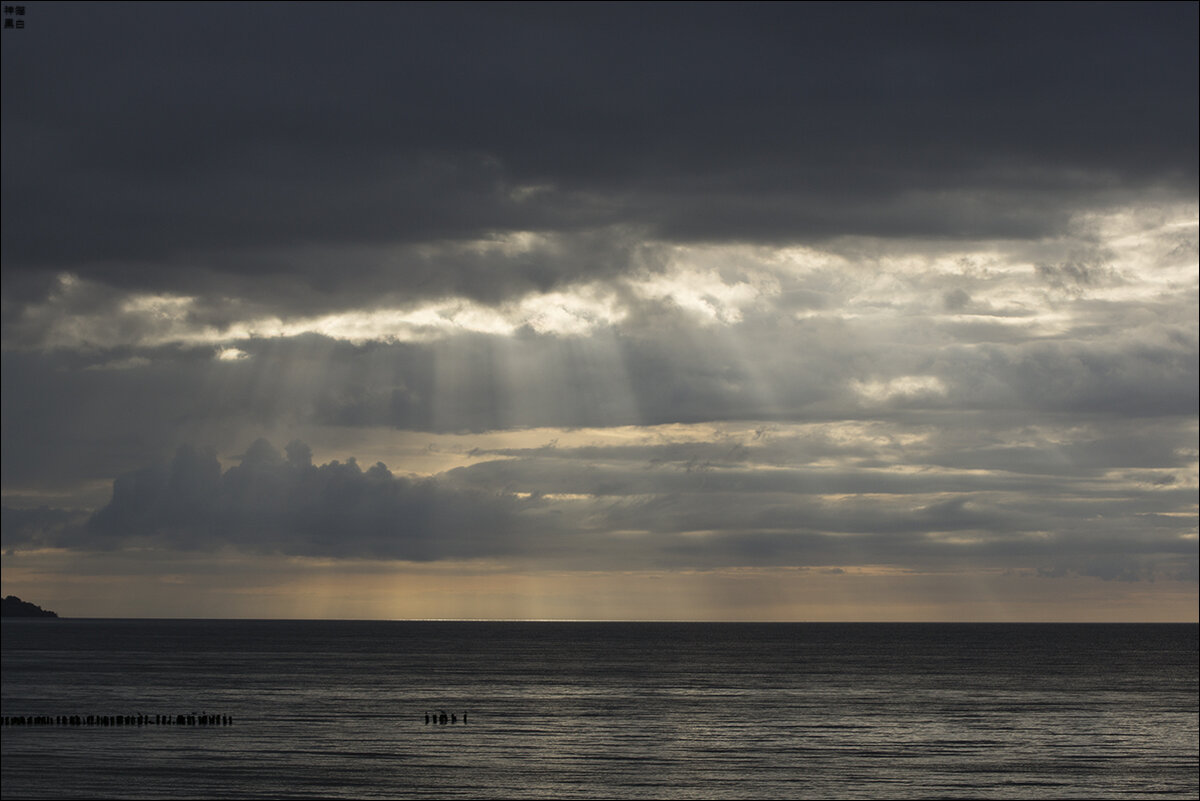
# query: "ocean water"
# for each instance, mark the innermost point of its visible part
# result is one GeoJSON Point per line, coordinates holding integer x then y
{"type": "Point", "coordinates": [603, 710]}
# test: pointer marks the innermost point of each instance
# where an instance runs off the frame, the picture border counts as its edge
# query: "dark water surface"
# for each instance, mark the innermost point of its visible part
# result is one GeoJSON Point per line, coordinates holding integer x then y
{"type": "Point", "coordinates": [604, 710]}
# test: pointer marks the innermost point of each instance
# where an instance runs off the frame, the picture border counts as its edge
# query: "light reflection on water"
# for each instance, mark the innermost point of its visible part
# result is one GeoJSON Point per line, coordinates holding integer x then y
{"type": "Point", "coordinates": [604, 710]}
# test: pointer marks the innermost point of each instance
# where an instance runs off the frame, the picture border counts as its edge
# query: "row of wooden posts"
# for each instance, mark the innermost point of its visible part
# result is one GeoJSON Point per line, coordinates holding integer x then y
{"type": "Point", "coordinates": [440, 717]}
{"type": "Point", "coordinates": [118, 720]}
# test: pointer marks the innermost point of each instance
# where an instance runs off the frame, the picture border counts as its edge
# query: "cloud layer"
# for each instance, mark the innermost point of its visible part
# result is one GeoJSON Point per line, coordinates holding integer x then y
{"type": "Point", "coordinates": [314, 162]}
{"type": "Point", "coordinates": [659, 286]}
{"type": "Point", "coordinates": [806, 496]}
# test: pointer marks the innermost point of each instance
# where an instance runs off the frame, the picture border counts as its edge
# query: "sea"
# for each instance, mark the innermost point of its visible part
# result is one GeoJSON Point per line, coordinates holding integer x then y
{"type": "Point", "coordinates": [341, 709]}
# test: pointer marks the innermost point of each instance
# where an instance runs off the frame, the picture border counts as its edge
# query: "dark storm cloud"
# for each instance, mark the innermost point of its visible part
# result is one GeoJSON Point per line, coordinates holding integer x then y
{"type": "Point", "coordinates": [176, 146]}
{"type": "Point", "coordinates": [627, 507]}
{"type": "Point", "coordinates": [282, 503]}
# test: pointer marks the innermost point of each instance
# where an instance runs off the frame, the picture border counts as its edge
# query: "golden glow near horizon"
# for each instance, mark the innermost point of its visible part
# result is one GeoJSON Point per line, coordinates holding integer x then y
{"type": "Point", "coordinates": [173, 585]}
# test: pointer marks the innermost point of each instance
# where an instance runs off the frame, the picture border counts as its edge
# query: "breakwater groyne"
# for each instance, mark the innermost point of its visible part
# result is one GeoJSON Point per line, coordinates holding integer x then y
{"type": "Point", "coordinates": [191, 719]}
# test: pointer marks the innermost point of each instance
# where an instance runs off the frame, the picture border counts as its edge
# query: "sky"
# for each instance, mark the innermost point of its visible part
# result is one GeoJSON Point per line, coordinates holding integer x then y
{"type": "Point", "coordinates": [602, 311]}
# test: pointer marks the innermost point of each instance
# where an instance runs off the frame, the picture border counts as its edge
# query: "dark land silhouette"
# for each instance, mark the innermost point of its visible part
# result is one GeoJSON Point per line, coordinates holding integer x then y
{"type": "Point", "coordinates": [12, 606]}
